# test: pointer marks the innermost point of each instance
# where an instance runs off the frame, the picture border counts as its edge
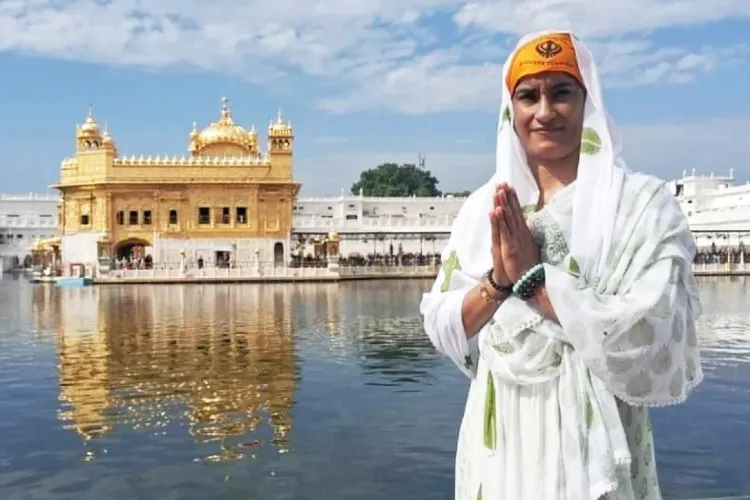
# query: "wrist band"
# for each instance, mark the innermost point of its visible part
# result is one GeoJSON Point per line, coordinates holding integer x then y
{"type": "Point", "coordinates": [487, 295]}
{"type": "Point", "coordinates": [529, 283]}
{"type": "Point", "coordinates": [494, 284]}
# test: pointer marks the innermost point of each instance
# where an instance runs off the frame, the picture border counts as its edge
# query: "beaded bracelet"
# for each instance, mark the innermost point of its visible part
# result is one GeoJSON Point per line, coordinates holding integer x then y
{"type": "Point", "coordinates": [527, 286]}
{"type": "Point", "coordinates": [498, 287]}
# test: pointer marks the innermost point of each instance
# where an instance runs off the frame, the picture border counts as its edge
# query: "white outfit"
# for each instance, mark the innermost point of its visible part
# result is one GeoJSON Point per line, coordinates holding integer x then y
{"type": "Point", "coordinates": [556, 412]}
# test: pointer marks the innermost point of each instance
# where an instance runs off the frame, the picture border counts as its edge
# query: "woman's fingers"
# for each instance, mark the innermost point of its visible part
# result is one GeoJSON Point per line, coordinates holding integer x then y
{"type": "Point", "coordinates": [508, 216]}
{"type": "Point", "coordinates": [518, 215]}
{"type": "Point", "coordinates": [503, 229]}
{"type": "Point", "coordinates": [494, 225]}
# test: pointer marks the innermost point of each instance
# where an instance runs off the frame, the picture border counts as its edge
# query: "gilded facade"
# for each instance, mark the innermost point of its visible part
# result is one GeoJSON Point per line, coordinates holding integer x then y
{"type": "Point", "coordinates": [227, 198]}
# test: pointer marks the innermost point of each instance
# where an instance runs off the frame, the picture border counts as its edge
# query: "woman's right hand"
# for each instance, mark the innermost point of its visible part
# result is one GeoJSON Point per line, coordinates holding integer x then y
{"type": "Point", "coordinates": [498, 269]}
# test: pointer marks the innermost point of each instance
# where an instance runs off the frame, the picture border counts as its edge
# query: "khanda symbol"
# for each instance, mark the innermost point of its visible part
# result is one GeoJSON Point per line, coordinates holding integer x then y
{"type": "Point", "coordinates": [548, 49]}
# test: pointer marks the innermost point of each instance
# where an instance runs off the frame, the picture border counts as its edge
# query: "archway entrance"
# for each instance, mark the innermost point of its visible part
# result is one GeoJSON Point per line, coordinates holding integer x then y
{"type": "Point", "coordinates": [132, 253]}
{"type": "Point", "coordinates": [278, 253]}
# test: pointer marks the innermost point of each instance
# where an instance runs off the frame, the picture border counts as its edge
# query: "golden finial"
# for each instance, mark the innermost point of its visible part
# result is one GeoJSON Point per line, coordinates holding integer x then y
{"type": "Point", "coordinates": [278, 125]}
{"type": "Point", "coordinates": [90, 124]}
{"type": "Point", "coordinates": [106, 136]}
{"type": "Point", "coordinates": [90, 115]}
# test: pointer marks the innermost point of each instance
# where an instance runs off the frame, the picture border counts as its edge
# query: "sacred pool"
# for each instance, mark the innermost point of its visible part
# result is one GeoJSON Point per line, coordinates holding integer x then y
{"type": "Point", "coordinates": [288, 391]}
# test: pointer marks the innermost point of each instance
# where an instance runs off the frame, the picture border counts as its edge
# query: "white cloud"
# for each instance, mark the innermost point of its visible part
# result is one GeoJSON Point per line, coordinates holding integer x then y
{"type": "Point", "coordinates": [374, 54]}
{"type": "Point", "coordinates": [438, 82]}
{"type": "Point", "coordinates": [663, 149]}
{"type": "Point", "coordinates": [594, 18]}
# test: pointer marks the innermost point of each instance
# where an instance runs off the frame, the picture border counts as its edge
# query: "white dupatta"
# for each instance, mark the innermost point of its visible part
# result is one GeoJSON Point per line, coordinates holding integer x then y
{"type": "Point", "coordinates": [613, 292]}
{"type": "Point", "coordinates": [599, 181]}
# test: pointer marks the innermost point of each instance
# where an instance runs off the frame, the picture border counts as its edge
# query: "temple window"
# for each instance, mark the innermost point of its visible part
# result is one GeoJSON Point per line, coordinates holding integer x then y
{"type": "Point", "coordinates": [84, 219]}
{"type": "Point", "coordinates": [133, 218]}
{"type": "Point", "coordinates": [204, 215]}
{"type": "Point", "coordinates": [120, 217]}
{"type": "Point", "coordinates": [225, 215]}
{"type": "Point", "coordinates": [147, 217]}
{"type": "Point", "coordinates": [173, 216]}
{"type": "Point", "coordinates": [241, 215]}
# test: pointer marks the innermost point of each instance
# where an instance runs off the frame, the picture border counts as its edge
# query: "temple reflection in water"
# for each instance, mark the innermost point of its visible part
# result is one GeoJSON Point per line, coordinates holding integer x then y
{"type": "Point", "coordinates": [218, 364]}
{"type": "Point", "coordinates": [217, 360]}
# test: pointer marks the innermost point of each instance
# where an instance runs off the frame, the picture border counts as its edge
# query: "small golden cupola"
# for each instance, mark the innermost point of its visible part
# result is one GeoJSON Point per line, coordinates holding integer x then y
{"type": "Point", "coordinates": [279, 126]}
{"type": "Point", "coordinates": [223, 137]}
{"type": "Point", "coordinates": [280, 135]}
{"type": "Point", "coordinates": [88, 135]}
{"type": "Point", "coordinates": [108, 141]}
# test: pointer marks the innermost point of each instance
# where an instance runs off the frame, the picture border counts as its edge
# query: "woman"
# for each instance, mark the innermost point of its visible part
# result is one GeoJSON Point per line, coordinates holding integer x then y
{"type": "Point", "coordinates": [566, 295]}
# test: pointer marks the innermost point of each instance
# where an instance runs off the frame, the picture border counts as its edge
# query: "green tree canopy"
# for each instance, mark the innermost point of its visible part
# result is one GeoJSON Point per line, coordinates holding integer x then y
{"type": "Point", "coordinates": [459, 194]}
{"type": "Point", "coordinates": [392, 179]}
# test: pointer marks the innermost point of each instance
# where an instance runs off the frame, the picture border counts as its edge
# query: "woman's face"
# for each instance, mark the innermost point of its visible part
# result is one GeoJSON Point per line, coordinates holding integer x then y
{"type": "Point", "coordinates": [548, 115]}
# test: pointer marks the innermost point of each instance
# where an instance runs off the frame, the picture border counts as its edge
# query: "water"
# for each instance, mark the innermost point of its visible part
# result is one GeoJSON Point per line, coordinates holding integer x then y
{"type": "Point", "coordinates": [314, 391]}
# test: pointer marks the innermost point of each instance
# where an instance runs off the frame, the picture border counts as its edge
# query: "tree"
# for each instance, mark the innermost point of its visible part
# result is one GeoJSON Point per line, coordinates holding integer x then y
{"type": "Point", "coordinates": [459, 194]}
{"type": "Point", "coordinates": [391, 179]}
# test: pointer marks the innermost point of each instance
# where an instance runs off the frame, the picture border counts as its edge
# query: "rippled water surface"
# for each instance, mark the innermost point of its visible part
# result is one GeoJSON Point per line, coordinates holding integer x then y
{"type": "Point", "coordinates": [316, 391]}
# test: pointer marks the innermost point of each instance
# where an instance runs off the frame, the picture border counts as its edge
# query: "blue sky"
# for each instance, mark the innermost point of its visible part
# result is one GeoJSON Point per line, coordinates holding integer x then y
{"type": "Point", "coordinates": [363, 82]}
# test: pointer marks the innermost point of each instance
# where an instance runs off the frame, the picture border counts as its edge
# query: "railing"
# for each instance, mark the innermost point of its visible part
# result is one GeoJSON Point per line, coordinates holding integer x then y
{"type": "Point", "coordinates": [30, 197]}
{"type": "Point", "coordinates": [32, 221]}
{"type": "Point", "coordinates": [718, 269]}
{"type": "Point", "coordinates": [283, 273]}
{"type": "Point", "coordinates": [387, 271]}
{"type": "Point", "coordinates": [218, 273]}
{"type": "Point", "coordinates": [268, 272]}
{"type": "Point", "coordinates": [373, 224]}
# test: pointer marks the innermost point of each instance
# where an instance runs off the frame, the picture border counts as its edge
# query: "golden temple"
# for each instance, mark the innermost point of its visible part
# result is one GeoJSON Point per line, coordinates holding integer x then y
{"type": "Point", "coordinates": [225, 199]}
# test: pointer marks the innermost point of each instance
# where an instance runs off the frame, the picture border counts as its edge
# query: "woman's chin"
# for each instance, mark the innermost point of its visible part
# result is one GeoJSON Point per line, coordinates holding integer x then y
{"type": "Point", "coordinates": [549, 151]}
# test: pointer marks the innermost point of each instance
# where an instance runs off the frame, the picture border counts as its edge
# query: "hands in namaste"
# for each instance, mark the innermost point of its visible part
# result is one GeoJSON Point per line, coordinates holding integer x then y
{"type": "Point", "coordinates": [514, 250]}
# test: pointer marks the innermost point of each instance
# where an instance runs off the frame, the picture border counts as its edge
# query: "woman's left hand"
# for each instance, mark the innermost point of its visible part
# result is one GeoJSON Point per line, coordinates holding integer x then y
{"type": "Point", "coordinates": [519, 250]}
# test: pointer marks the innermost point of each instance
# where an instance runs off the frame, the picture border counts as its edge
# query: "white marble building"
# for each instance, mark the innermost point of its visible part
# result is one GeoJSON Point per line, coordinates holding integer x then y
{"type": "Point", "coordinates": [717, 208]}
{"type": "Point", "coordinates": [24, 219]}
{"type": "Point", "coordinates": [372, 225]}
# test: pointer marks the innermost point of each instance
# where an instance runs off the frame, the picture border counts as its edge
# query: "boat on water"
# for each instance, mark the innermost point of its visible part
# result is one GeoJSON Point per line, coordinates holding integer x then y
{"type": "Point", "coordinates": [41, 279]}
{"type": "Point", "coordinates": [65, 281]}
{"type": "Point", "coordinates": [71, 281]}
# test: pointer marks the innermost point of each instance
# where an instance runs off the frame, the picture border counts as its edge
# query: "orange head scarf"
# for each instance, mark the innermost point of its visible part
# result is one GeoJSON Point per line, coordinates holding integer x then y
{"type": "Point", "coordinates": [553, 52]}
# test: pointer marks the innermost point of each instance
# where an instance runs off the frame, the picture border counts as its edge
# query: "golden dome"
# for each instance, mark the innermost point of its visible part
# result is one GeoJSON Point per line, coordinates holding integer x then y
{"type": "Point", "coordinates": [224, 131]}
{"type": "Point", "coordinates": [279, 126]}
{"type": "Point", "coordinates": [89, 127]}
{"type": "Point", "coordinates": [106, 137]}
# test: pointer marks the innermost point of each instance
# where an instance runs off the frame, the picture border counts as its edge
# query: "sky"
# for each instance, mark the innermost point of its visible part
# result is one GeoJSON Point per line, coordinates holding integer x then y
{"type": "Point", "coordinates": [363, 81]}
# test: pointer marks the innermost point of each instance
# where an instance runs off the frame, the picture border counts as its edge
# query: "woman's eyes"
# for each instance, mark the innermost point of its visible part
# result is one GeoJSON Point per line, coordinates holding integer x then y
{"type": "Point", "coordinates": [559, 94]}
{"type": "Point", "coordinates": [527, 96]}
